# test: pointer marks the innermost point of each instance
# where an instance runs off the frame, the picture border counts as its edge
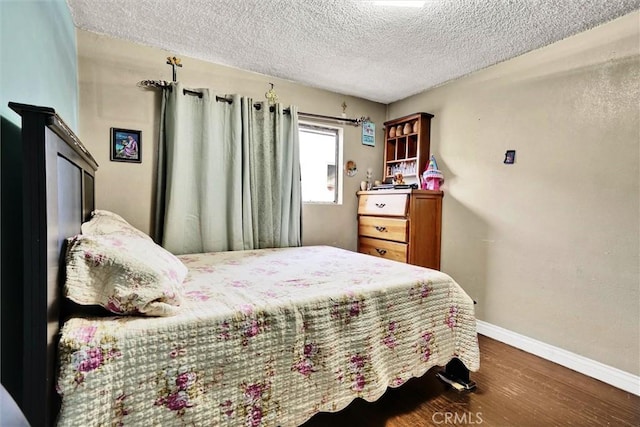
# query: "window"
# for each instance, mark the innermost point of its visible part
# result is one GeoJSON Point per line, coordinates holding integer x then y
{"type": "Point", "coordinates": [320, 155]}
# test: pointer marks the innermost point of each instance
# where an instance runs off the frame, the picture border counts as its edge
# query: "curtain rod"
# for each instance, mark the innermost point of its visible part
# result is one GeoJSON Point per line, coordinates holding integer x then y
{"type": "Point", "coordinates": [354, 122]}
{"type": "Point", "coordinates": [163, 84]}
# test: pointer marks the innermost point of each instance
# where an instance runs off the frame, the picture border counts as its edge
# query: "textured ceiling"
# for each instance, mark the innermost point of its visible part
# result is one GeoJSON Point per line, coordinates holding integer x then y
{"type": "Point", "coordinates": [348, 46]}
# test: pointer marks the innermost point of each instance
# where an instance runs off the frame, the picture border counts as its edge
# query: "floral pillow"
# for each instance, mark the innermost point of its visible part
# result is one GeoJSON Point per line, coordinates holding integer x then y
{"type": "Point", "coordinates": [125, 274]}
{"type": "Point", "coordinates": [106, 222]}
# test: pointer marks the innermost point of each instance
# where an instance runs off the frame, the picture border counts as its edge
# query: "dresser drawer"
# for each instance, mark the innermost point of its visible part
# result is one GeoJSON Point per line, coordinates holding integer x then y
{"type": "Point", "coordinates": [383, 204]}
{"type": "Point", "coordinates": [383, 248]}
{"type": "Point", "coordinates": [383, 228]}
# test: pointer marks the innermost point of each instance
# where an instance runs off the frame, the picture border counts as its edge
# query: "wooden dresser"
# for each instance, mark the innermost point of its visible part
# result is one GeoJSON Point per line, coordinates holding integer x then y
{"type": "Point", "coordinates": [402, 225]}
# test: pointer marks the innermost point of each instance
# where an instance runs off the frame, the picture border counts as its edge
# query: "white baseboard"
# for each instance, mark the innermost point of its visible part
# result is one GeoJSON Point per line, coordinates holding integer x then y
{"type": "Point", "coordinates": [608, 374]}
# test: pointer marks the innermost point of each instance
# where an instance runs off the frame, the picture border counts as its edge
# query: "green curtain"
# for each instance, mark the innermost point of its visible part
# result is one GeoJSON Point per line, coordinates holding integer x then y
{"type": "Point", "coordinates": [228, 174]}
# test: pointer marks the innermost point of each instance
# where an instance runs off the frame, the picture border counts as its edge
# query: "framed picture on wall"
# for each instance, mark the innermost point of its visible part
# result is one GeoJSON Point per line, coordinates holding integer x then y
{"type": "Point", "coordinates": [369, 134]}
{"type": "Point", "coordinates": [510, 157]}
{"type": "Point", "coordinates": [126, 145]}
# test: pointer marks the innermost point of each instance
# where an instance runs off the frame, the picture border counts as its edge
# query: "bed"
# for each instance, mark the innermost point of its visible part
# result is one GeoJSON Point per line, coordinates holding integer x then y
{"type": "Point", "coordinates": [261, 338]}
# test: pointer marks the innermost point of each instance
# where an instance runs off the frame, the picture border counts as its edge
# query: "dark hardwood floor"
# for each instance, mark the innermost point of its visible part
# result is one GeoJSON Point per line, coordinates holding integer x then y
{"type": "Point", "coordinates": [514, 389]}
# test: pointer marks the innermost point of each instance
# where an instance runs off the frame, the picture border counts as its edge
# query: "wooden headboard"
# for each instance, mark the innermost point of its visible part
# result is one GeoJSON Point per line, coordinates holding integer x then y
{"type": "Point", "coordinates": [58, 195]}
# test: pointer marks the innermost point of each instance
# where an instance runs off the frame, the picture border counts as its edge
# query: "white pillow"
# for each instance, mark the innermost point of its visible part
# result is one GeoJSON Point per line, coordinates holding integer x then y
{"type": "Point", "coordinates": [124, 273]}
{"type": "Point", "coordinates": [106, 222]}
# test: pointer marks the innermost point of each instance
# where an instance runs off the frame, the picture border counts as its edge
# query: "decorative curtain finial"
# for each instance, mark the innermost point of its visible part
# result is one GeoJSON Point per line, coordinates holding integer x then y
{"type": "Point", "coordinates": [271, 95]}
{"type": "Point", "coordinates": [174, 62]}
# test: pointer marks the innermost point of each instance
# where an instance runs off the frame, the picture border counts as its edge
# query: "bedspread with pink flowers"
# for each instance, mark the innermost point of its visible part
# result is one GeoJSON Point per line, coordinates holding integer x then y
{"type": "Point", "coordinates": [266, 338]}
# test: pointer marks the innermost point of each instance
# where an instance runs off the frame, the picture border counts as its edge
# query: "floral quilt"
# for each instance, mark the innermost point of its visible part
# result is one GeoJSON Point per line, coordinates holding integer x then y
{"type": "Point", "coordinates": [266, 338]}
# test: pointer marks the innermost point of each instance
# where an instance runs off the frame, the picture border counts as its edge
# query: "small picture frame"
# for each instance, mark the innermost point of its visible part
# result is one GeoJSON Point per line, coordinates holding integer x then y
{"type": "Point", "coordinates": [369, 134]}
{"type": "Point", "coordinates": [126, 145]}
{"type": "Point", "coordinates": [510, 157]}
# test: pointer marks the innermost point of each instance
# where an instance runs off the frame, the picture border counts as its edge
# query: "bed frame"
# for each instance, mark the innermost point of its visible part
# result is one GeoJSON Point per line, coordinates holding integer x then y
{"type": "Point", "coordinates": [58, 195]}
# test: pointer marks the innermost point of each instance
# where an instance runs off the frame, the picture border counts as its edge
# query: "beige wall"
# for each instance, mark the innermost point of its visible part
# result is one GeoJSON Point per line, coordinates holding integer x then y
{"type": "Point", "coordinates": [108, 72]}
{"type": "Point", "coordinates": [549, 246]}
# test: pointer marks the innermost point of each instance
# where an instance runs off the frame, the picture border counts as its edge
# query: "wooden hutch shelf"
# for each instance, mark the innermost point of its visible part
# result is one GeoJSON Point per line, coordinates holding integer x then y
{"type": "Point", "coordinates": [407, 145]}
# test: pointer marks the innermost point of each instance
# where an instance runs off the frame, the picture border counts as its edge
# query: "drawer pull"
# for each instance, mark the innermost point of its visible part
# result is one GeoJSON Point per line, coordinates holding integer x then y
{"type": "Point", "coordinates": [380, 228]}
{"type": "Point", "coordinates": [381, 205]}
{"type": "Point", "coordinates": [381, 251]}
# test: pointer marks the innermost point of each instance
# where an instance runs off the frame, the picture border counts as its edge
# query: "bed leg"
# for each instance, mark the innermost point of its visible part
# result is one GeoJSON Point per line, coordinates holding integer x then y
{"type": "Point", "coordinates": [457, 376]}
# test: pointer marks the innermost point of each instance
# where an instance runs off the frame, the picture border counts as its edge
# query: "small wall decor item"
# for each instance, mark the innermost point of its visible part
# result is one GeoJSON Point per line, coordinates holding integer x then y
{"type": "Point", "coordinates": [510, 157]}
{"type": "Point", "coordinates": [350, 168]}
{"type": "Point", "coordinates": [174, 62]}
{"type": "Point", "coordinates": [271, 95]}
{"type": "Point", "coordinates": [126, 145]}
{"type": "Point", "coordinates": [369, 133]}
